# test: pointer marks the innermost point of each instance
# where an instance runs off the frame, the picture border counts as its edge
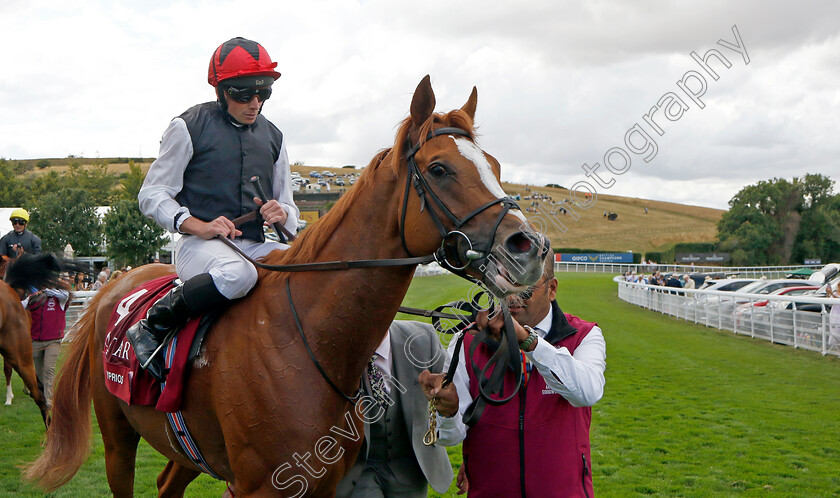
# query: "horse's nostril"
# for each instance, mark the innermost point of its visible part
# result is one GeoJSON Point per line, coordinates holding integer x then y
{"type": "Point", "coordinates": [519, 243]}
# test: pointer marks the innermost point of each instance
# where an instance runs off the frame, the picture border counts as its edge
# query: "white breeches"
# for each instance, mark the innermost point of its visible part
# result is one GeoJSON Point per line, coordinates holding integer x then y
{"type": "Point", "coordinates": [233, 276]}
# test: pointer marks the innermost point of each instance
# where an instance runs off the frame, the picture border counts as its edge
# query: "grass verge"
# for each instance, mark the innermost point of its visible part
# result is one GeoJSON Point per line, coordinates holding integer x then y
{"type": "Point", "coordinates": [688, 410]}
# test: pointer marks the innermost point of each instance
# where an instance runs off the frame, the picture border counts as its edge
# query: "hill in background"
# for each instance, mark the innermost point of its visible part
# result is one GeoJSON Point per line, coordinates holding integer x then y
{"type": "Point", "coordinates": [664, 225]}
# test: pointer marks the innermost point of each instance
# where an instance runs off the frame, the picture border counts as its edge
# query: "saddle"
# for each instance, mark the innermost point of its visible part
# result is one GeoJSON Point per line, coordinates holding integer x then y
{"type": "Point", "coordinates": [123, 376]}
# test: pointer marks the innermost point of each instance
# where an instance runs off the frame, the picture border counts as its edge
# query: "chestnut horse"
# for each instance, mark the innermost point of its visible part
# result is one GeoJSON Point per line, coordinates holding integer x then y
{"type": "Point", "coordinates": [19, 276]}
{"type": "Point", "coordinates": [256, 403]}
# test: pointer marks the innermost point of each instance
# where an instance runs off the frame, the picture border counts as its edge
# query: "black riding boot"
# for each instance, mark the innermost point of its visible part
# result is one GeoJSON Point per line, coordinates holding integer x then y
{"type": "Point", "coordinates": [198, 295]}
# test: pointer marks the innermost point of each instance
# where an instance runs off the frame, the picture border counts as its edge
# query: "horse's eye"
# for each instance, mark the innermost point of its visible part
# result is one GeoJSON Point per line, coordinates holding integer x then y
{"type": "Point", "coordinates": [437, 170]}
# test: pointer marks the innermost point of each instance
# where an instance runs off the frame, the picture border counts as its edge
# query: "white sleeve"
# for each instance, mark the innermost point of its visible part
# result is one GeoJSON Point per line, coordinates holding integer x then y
{"type": "Point", "coordinates": [452, 430]}
{"type": "Point", "coordinates": [282, 188]}
{"type": "Point", "coordinates": [60, 294]}
{"type": "Point", "coordinates": [579, 377]}
{"type": "Point", "coordinates": [165, 178]}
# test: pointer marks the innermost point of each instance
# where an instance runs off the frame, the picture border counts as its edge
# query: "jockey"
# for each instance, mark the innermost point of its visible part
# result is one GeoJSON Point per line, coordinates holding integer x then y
{"type": "Point", "coordinates": [200, 182]}
{"type": "Point", "coordinates": [19, 239]}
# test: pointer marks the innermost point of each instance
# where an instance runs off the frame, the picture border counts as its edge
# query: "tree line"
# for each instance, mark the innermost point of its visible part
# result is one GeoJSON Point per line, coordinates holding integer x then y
{"type": "Point", "coordinates": [780, 222]}
{"type": "Point", "coordinates": [63, 210]}
{"type": "Point", "coordinates": [773, 222]}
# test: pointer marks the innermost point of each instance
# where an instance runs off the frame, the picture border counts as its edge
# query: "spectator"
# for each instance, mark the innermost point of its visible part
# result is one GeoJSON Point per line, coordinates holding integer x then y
{"type": "Point", "coordinates": [20, 240]}
{"type": "Point", "coordinates": [537, 443]}
{"type": "Point", "coordinates": [673, 281]}
{"type": "Point", "coordinates": [79, 282]}
{"type": "Point", "coordinates": [48, 309]}
{"type": "Point", "coordinates": [833, 317]}
{"type": "Point", "coordinates": [656, 278]}
{"type": "Point", "coordinates": [200, 182]}
{"type": "Point", "coordinates": [101, 280]}
{"type": "Point", "coordinates": [393, 460]}
{"type": "Point", "coordinates": [106, 271]}
{"type": "Point", "coordinates": [117, 274]}
{"type": "Point", "coordinates": [688, 282]}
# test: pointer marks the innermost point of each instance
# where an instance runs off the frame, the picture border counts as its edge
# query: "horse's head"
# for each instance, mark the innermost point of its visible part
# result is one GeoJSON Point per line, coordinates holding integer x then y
{"type": "Point", "coordinates": [454, 204]}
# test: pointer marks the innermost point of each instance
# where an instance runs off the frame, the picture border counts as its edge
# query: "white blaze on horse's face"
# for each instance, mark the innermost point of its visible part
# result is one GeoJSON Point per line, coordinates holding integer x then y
{"type": "Point", "coordinates": [474, 154]}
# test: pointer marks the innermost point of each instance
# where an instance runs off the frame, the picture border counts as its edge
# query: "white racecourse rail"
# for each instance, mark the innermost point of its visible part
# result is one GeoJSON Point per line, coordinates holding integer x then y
{"type": "Point", "coordinates": [800, 329]}
{"type": "Point", "coordinates": [797, 328]}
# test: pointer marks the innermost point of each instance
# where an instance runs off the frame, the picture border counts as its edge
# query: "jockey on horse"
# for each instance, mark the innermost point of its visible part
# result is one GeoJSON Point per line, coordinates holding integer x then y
{"type": "Point", "coordinates": [199, 184]}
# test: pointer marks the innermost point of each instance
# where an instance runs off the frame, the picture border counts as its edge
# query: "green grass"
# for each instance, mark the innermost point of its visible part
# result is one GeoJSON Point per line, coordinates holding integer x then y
{"type": "Point", "coordinates": [687, 411]}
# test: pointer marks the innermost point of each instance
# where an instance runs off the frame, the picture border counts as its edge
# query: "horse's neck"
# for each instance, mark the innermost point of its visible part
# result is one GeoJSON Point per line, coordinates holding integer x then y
{"type": "Point", "coordinates": [349, 311]}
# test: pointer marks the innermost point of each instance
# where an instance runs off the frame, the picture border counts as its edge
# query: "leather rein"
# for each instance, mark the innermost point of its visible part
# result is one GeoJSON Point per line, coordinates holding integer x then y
{"type": "Point", "coordinates": [508, 347]}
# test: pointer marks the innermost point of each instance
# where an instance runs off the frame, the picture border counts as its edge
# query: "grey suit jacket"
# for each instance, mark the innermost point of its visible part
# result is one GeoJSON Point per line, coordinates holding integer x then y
{"type": "Point", "coordinates": [414, 347]}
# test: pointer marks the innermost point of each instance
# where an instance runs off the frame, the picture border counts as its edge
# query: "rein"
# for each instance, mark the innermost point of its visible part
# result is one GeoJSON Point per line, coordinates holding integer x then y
{"type": "Point", "coordinates": [330, 265]}
{"type": "Point", "coordinates": [506, 355]}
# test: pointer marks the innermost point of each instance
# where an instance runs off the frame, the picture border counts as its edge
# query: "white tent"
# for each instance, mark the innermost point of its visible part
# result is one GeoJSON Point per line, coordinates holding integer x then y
{"type": "Point", "coordinates": [5, 224]}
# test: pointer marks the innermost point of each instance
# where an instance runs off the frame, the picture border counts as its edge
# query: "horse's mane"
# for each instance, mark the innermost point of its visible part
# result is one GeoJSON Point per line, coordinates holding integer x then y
{"type": "Point", "coordinates": [309, 243]}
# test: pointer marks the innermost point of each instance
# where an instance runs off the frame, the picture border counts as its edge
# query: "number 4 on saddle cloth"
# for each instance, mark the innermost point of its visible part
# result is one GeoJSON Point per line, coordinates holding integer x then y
{"type": "Point", "coordinates": [123, 375]}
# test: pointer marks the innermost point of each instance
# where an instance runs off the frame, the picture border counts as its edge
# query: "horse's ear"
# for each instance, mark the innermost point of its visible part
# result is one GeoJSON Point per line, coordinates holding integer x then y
{"type": "Point", "coordinates": [471, 104]}
{"type": "Point", "coordinates": [423, 102]}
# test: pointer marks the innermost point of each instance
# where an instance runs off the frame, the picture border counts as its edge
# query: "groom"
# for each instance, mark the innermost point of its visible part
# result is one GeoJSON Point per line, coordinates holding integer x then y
{"type": "Point", "coordinates": [393, 460]}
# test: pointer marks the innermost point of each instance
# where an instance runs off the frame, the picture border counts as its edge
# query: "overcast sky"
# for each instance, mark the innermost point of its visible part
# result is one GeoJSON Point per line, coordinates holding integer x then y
{"type": "Point", "coordinates": [560, 84]}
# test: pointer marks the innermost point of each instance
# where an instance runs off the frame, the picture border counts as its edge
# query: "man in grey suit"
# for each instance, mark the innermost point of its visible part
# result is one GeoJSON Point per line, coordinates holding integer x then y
{"type": "Point", "coordinates": [393, 461]}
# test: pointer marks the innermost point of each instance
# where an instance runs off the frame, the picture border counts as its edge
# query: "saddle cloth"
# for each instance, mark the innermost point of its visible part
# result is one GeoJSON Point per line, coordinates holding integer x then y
{"type": "Point", "coordinates": [123, 375]}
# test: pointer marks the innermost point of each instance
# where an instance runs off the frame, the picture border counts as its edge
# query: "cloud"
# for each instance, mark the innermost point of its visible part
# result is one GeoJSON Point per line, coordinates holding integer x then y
{"type": "Point", "coordinates": [559, 83]}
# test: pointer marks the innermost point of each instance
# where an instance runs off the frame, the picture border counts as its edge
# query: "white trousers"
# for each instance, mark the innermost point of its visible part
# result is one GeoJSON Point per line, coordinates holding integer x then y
{"type": "Point", "coordinates": [233, 275]}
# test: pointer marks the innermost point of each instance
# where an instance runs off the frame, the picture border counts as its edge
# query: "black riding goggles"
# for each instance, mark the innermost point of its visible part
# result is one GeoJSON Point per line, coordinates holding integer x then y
{"type": "Point", "coordinates": [244, 95]}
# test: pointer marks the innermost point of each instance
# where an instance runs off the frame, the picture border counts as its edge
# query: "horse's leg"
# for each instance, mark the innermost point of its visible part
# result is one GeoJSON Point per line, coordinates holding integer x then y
{"type": "Point", "coordinates": [21, 361]}
{"type": "Point", "coordinates": [7, 371]}
{"type": "Point", "coordinates": [120, 440]}
{"type": "Point", "coordinates": [174, 479]}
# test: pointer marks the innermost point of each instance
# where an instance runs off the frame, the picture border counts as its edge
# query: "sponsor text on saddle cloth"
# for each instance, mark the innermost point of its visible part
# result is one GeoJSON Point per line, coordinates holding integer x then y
{"type": "Point", "coordinates": [123, 375]}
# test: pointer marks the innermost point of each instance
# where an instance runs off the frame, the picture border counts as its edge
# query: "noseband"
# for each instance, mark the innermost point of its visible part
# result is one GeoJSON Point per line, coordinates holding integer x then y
{"type": "Point", "coordinates": [478, 252]}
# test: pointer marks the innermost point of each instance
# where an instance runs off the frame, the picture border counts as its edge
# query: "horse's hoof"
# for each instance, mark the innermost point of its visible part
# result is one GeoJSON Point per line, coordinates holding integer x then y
{"type": "Point", "coordinates": [8, 401]}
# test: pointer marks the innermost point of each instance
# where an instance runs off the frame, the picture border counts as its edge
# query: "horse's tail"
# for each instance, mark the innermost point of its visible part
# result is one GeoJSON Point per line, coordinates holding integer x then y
{"type": "Point", "coordinates": [69, 433]}
{"type": "Point", "coordinates": [39, 271]}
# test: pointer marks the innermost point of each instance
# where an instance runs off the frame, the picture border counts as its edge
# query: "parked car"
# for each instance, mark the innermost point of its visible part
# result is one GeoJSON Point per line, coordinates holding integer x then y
{"type": "Point", "coordinates": [727, 284]}
{"type": "Point", "coordinates": [314, 174]}
{"type": "Point", "coordinates": [744, 311]}
{"type": "Point", "coordinates": [780, 320]}
{"type": "Point", "coordinates": [725, 305]}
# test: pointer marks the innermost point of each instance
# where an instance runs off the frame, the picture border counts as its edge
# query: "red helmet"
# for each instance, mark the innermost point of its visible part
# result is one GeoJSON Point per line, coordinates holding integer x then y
{"type": "Point", "coordinates": [238, 58]}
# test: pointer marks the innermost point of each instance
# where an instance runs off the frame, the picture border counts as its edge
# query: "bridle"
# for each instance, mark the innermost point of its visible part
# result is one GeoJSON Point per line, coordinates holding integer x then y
{"type": "Point", "coordinates": [448, 258]}
{"type": "Point", "coordinates": [477, 252]}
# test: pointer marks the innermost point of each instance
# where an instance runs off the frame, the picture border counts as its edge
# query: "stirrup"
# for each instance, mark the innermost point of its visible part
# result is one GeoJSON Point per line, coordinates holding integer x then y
{"type": "Point", "coordinates": [160, 347]}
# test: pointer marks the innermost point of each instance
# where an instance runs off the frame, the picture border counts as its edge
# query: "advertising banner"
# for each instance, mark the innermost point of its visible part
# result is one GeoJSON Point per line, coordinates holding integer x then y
{"type": "Point", "coordinates": [712, 258]}
{"type": "Point", "coordinates": [603, 257]}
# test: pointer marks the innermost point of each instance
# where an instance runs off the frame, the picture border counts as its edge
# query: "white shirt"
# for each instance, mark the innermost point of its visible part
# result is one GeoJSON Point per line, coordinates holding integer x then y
{"type": "Point", "coordinates": [60, 294]}
{"type": "Point", "coordinates": [579, 378]}
{"type": "Point", "coordinates": [165, 180]}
